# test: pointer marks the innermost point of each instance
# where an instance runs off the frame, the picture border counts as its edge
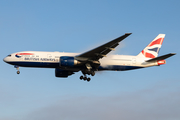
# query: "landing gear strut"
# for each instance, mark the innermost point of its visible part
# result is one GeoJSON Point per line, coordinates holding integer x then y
{"type": "Point", "coordinates": [17, 68]}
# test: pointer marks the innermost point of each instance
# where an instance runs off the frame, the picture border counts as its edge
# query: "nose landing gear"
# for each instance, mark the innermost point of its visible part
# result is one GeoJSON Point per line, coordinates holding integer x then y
{"type": "Point", "coordinates": [18, 72]}
{"type": "Point", "coordinates": [17, 68]}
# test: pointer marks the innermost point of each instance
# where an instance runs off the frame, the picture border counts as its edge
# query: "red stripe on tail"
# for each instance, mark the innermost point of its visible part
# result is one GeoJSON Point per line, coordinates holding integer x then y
{"type": "Point", "coordinates": [158, 41]}
{"type": "Point", "coordinates": [148, 55]}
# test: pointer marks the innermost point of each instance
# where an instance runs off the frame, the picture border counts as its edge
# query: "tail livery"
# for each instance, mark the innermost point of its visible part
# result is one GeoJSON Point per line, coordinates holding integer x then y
{"type": "Point", "coordinates": [152, 50]}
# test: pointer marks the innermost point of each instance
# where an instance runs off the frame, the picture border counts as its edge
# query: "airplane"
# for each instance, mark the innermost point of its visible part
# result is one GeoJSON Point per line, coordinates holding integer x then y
{"type": "Point", "coordinates": [89, 62]}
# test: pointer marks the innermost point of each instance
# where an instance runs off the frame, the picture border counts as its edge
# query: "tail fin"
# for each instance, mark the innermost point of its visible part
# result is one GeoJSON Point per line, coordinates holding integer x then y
{"type": "Point", "coordinates": [152, 50]}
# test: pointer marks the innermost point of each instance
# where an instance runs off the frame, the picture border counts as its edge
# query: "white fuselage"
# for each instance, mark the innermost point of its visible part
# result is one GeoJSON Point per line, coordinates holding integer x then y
{"type": "Point", "coordinates": [52, 60]}
{"type": "Point", "coordinates": [89, 62]}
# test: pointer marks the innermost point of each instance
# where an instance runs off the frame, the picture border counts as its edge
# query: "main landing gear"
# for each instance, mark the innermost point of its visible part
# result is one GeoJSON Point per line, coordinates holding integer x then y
{"type": "Point", "coordinates": [17, 68]}
{"type": "Point", "coordinates": [88, 71]}
{"type": "Point", "coordinates": [85, 78]}
{"type": "Point", "coordinates": [92, 73]}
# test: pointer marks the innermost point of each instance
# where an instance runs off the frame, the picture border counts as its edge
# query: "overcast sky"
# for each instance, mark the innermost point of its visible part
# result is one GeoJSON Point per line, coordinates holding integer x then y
{"type": "Point", "coordinates": [77, 26]}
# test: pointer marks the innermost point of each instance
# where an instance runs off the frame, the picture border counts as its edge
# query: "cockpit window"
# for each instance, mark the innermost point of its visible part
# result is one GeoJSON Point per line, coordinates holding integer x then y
{"type": "Point", "coordinates": [9, 55]}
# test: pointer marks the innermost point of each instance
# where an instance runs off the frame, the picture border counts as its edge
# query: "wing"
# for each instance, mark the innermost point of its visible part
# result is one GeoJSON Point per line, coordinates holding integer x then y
{"type": "Point", "coordinates": [103, 50]}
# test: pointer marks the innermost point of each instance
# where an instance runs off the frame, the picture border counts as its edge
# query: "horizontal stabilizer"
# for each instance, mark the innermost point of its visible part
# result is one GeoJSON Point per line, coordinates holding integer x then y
{"type": "Point", "coordinates": [161, 57]}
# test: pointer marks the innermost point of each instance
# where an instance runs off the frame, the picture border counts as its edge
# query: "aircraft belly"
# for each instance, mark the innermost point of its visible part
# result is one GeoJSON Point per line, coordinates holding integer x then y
{"type": "Point", "coordinates": [118, 67]}
{"type": "Point", "coordinates": [119, 64]}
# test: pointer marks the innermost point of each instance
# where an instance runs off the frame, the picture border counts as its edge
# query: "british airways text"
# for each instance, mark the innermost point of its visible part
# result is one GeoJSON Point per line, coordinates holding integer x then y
{"type": "Point", "coordinates": [40, 59]}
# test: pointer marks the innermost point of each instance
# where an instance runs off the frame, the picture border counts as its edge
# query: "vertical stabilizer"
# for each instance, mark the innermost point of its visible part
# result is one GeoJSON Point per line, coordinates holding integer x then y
{"type": "Point", "coordinates": [152, 50]}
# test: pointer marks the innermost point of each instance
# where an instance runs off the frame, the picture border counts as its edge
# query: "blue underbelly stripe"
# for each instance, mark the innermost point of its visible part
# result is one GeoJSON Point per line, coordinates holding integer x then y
{"type": "Point", "coordinates": [36, 64]}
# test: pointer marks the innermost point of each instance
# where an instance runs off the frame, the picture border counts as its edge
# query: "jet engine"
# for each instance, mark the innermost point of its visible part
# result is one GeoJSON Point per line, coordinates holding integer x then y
{"type": "Point", "coordinates": [66, 61]}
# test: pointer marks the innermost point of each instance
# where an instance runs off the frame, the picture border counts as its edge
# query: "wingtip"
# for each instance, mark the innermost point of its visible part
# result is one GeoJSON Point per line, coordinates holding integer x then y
{"type": "Point", "coordinates": [173, 53]}
{"type": "Point", "coordinates": [128, 33]}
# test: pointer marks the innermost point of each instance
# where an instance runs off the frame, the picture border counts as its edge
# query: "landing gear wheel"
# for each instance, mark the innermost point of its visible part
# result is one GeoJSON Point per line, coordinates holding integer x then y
{"type": "Point", "coordinates": [88, 79]}
{"type": "Point", "coordinates": [85, 78]}
{"type": "Point", "coordinates": [18, 72]}
{"type": "Point", "coordinates": [81, 77]}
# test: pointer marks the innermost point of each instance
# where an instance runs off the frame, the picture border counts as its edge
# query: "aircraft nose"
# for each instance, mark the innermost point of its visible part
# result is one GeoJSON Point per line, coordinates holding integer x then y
{"type": "Point", "coordinates": [5, 59]}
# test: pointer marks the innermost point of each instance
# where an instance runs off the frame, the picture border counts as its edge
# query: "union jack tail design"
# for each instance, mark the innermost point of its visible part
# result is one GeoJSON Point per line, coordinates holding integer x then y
{"type": "Point", "coordinates": [152, 50]}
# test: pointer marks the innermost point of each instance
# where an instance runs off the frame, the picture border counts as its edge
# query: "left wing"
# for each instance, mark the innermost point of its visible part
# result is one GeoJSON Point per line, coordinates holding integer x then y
{"type": "Point", "coordinates": [101, 51]}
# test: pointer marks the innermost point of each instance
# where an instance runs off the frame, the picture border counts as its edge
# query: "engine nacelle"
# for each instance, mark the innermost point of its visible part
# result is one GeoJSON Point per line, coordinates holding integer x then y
{"type": "Point", "coordinates": [62, 73]}
{"type": "Point", "coordinates": [66, 61]}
